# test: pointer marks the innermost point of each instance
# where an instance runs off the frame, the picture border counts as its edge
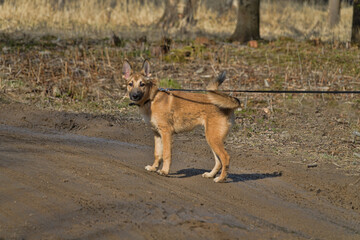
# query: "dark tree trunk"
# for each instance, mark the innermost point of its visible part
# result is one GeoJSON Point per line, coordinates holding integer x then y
{"type": "Point", "coordinates": [178, 14]}
{"type": "Point", "coordinates": [334, 12]}
{"type": "Point", "coordinates": [248, 21]}
{"type": "Point", "coordinates": [355, 35]}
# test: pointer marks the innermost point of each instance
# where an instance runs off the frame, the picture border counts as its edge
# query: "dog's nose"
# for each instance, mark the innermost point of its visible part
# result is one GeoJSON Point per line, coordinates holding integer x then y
{"type": "Point", "coordinates": [136, 96]}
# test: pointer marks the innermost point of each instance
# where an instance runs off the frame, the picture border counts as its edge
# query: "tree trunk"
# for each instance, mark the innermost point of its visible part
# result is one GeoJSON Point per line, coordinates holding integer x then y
{"type": "Point", "coordinates": [334, 12]}
{"type": "Point", "coordinates": [178, 14]}
{"type": "Point", "coordinates": [248, 21]}
{"type": "Point", "coordinates": [170, 14]}
{"type": "Point", "coordinates": [355, 34]}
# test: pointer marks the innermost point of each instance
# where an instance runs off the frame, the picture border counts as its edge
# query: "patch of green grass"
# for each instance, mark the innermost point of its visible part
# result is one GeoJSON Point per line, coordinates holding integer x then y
{"type": "Point", "coordinates": [138, 53]}
{"type": "Point", "coordinates": [15, 83]}
{"type": "Point", "coordinates": [177, 56]}
{"type": "Point", "coordinates": [186, 53]}
{"type": "Point", "coordinates": [329, 157]}
{"type": "Point", "coordinates": [169, 83]}
{"type": "Point", "coordinates": [246, 112]}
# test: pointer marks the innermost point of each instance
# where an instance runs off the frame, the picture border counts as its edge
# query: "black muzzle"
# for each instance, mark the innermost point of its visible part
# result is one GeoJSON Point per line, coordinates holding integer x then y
{"type": "Point", "coordinates": [136, 95]}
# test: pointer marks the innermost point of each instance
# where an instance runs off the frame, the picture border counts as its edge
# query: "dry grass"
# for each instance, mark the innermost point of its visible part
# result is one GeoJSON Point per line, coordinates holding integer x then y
{"type": "Point", "coordinates": [303, 21]}
{"type": "Point", "coordinates": [62, 75]}
{"type": "Point", "coordinates": [78, 18]}
{"type": "Point", "coordinates": [91, 18]}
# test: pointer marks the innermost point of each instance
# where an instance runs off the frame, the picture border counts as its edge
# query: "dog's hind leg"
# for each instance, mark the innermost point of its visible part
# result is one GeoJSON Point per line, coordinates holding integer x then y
{"type": "Point", "coordinates": [216, 168]}
{"type": "Point", "coordinates": [216, 132]}
{"type": "Point", "coordinates": [218, 148]}
{"type": "Point", "coordinates": [158, 153]}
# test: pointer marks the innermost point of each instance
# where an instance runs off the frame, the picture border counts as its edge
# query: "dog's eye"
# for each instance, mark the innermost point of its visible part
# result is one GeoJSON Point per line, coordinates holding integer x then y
{"type": "Point", "coordinates": [142, 84]}
{"type": "Point", "coordinates": [131, 84]}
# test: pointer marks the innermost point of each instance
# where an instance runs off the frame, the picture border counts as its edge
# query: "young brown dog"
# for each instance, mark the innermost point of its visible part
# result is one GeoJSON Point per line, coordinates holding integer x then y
{"type": "Point", "coordinates": [173, 112]}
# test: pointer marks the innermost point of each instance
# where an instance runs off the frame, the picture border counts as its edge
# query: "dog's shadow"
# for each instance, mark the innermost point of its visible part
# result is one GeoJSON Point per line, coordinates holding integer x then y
{"type": "Point", "coordinates": [232, 177]}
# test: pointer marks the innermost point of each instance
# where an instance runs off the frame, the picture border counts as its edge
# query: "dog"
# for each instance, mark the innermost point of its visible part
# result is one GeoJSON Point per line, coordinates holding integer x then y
{"type": "Point", "coordinates": [169, 113]}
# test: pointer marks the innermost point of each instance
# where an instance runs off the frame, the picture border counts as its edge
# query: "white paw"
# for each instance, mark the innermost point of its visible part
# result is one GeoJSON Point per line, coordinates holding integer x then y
{"type": "Point", "coordinates": [207, 175]}
{"type": "Point", "coordinates": [150, 168]}
{"type": "Point", "coordinates": [219, 180]}
{"type": "Point", "coordinates": [162, 173]}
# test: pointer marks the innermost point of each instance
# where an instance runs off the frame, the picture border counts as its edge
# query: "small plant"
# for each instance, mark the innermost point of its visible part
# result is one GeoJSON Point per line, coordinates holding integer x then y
{"type": "Point", "coordinates": [169, 83]}
{"type": "Point", "coordinates": [246, 112]}
{"type": "Point", "coordinates": [176, 56]}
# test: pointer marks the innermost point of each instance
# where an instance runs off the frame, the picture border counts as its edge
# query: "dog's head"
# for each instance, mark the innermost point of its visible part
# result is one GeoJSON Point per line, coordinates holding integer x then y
{"type": "Point", "coordinates": [138, 84]}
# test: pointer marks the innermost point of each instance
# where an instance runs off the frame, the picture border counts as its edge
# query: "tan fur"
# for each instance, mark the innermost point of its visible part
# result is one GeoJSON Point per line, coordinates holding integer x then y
{"type": "Point", "coordinates": [174, 112]}
{"type": "Point", "coordinates": [222, 100]}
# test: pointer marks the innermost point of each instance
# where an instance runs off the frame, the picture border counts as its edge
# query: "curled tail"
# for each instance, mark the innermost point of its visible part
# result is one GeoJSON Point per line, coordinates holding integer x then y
{"type": "Point", "coordinates": [218, 98]}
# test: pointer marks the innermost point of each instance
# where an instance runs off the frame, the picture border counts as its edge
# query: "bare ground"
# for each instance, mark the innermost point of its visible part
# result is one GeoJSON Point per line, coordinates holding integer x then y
{"type": "Point", "coordinates": [81, 176]}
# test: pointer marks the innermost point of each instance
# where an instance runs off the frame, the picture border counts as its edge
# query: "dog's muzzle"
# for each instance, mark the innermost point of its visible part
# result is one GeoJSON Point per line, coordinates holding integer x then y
{"type": "Point", "coordinates": [136, 95]}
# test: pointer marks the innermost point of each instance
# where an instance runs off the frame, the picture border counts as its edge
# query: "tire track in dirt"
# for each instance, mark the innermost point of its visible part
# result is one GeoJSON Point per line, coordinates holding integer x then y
{"type": "Point", "coordinates": [92, 205]}
{"type": "Point", "coordinates": [70, 186]}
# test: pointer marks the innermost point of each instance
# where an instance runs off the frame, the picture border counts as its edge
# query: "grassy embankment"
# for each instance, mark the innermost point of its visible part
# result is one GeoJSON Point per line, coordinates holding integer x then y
{"type": "Point", "coordinates": [58, 57]}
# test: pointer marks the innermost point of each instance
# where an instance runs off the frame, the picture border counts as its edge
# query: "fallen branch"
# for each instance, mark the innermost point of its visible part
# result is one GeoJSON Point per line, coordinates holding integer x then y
{"type": "Point", "coordinates": [312, 165]}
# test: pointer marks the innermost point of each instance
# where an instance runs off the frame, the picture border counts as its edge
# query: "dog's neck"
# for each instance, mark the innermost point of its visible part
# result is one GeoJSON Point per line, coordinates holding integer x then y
{"type": "Point", "coordinates": [140, 105]}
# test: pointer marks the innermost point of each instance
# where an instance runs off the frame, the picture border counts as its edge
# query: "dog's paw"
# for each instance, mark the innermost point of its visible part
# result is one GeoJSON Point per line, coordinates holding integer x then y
{"type": "Point", "coordinates": [207, 175]}
{"type": "Point", "coordinates": [150, 168]}
{"type": "Point", "coordinates": [219, 180]}
{"type": "Point", "coordinates": [162, 173]}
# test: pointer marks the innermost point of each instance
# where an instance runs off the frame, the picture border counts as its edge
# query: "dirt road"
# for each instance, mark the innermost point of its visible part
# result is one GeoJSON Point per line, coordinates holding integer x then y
{"type": "Point", "coordinates": [91, 184]}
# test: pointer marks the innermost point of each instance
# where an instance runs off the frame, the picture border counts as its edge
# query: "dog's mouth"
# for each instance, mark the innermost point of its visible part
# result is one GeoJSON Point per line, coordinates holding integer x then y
{"type": "Point", "coordinates": [136, 95]}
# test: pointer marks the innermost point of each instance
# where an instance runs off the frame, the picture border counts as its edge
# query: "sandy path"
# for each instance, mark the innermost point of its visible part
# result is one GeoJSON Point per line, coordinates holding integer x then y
{"type": "Point", "coordinates": [66, 186]}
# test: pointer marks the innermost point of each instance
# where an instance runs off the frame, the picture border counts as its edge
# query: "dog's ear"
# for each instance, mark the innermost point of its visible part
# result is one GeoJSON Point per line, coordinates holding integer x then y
{"type": "Point", "coordinates": [126, 70]}
{"type": "Point", "coordinates": [146, 68]}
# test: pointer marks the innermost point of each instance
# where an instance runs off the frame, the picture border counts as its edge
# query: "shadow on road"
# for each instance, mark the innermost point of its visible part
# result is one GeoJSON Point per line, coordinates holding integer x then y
{"type": "Point", "coordinates": [232, 177]}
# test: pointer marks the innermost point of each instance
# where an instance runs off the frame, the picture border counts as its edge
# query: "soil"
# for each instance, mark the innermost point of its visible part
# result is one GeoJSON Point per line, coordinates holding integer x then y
{"type": "Point", "coordinates": [81, 176]}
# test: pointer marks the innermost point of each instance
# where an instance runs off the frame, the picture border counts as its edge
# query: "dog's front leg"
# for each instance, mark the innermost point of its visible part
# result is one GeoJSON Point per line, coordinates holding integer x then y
{"type": "Point", "coordinates": [158, 152]}
{"type": "Point", "coordinates": [166, 143]}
